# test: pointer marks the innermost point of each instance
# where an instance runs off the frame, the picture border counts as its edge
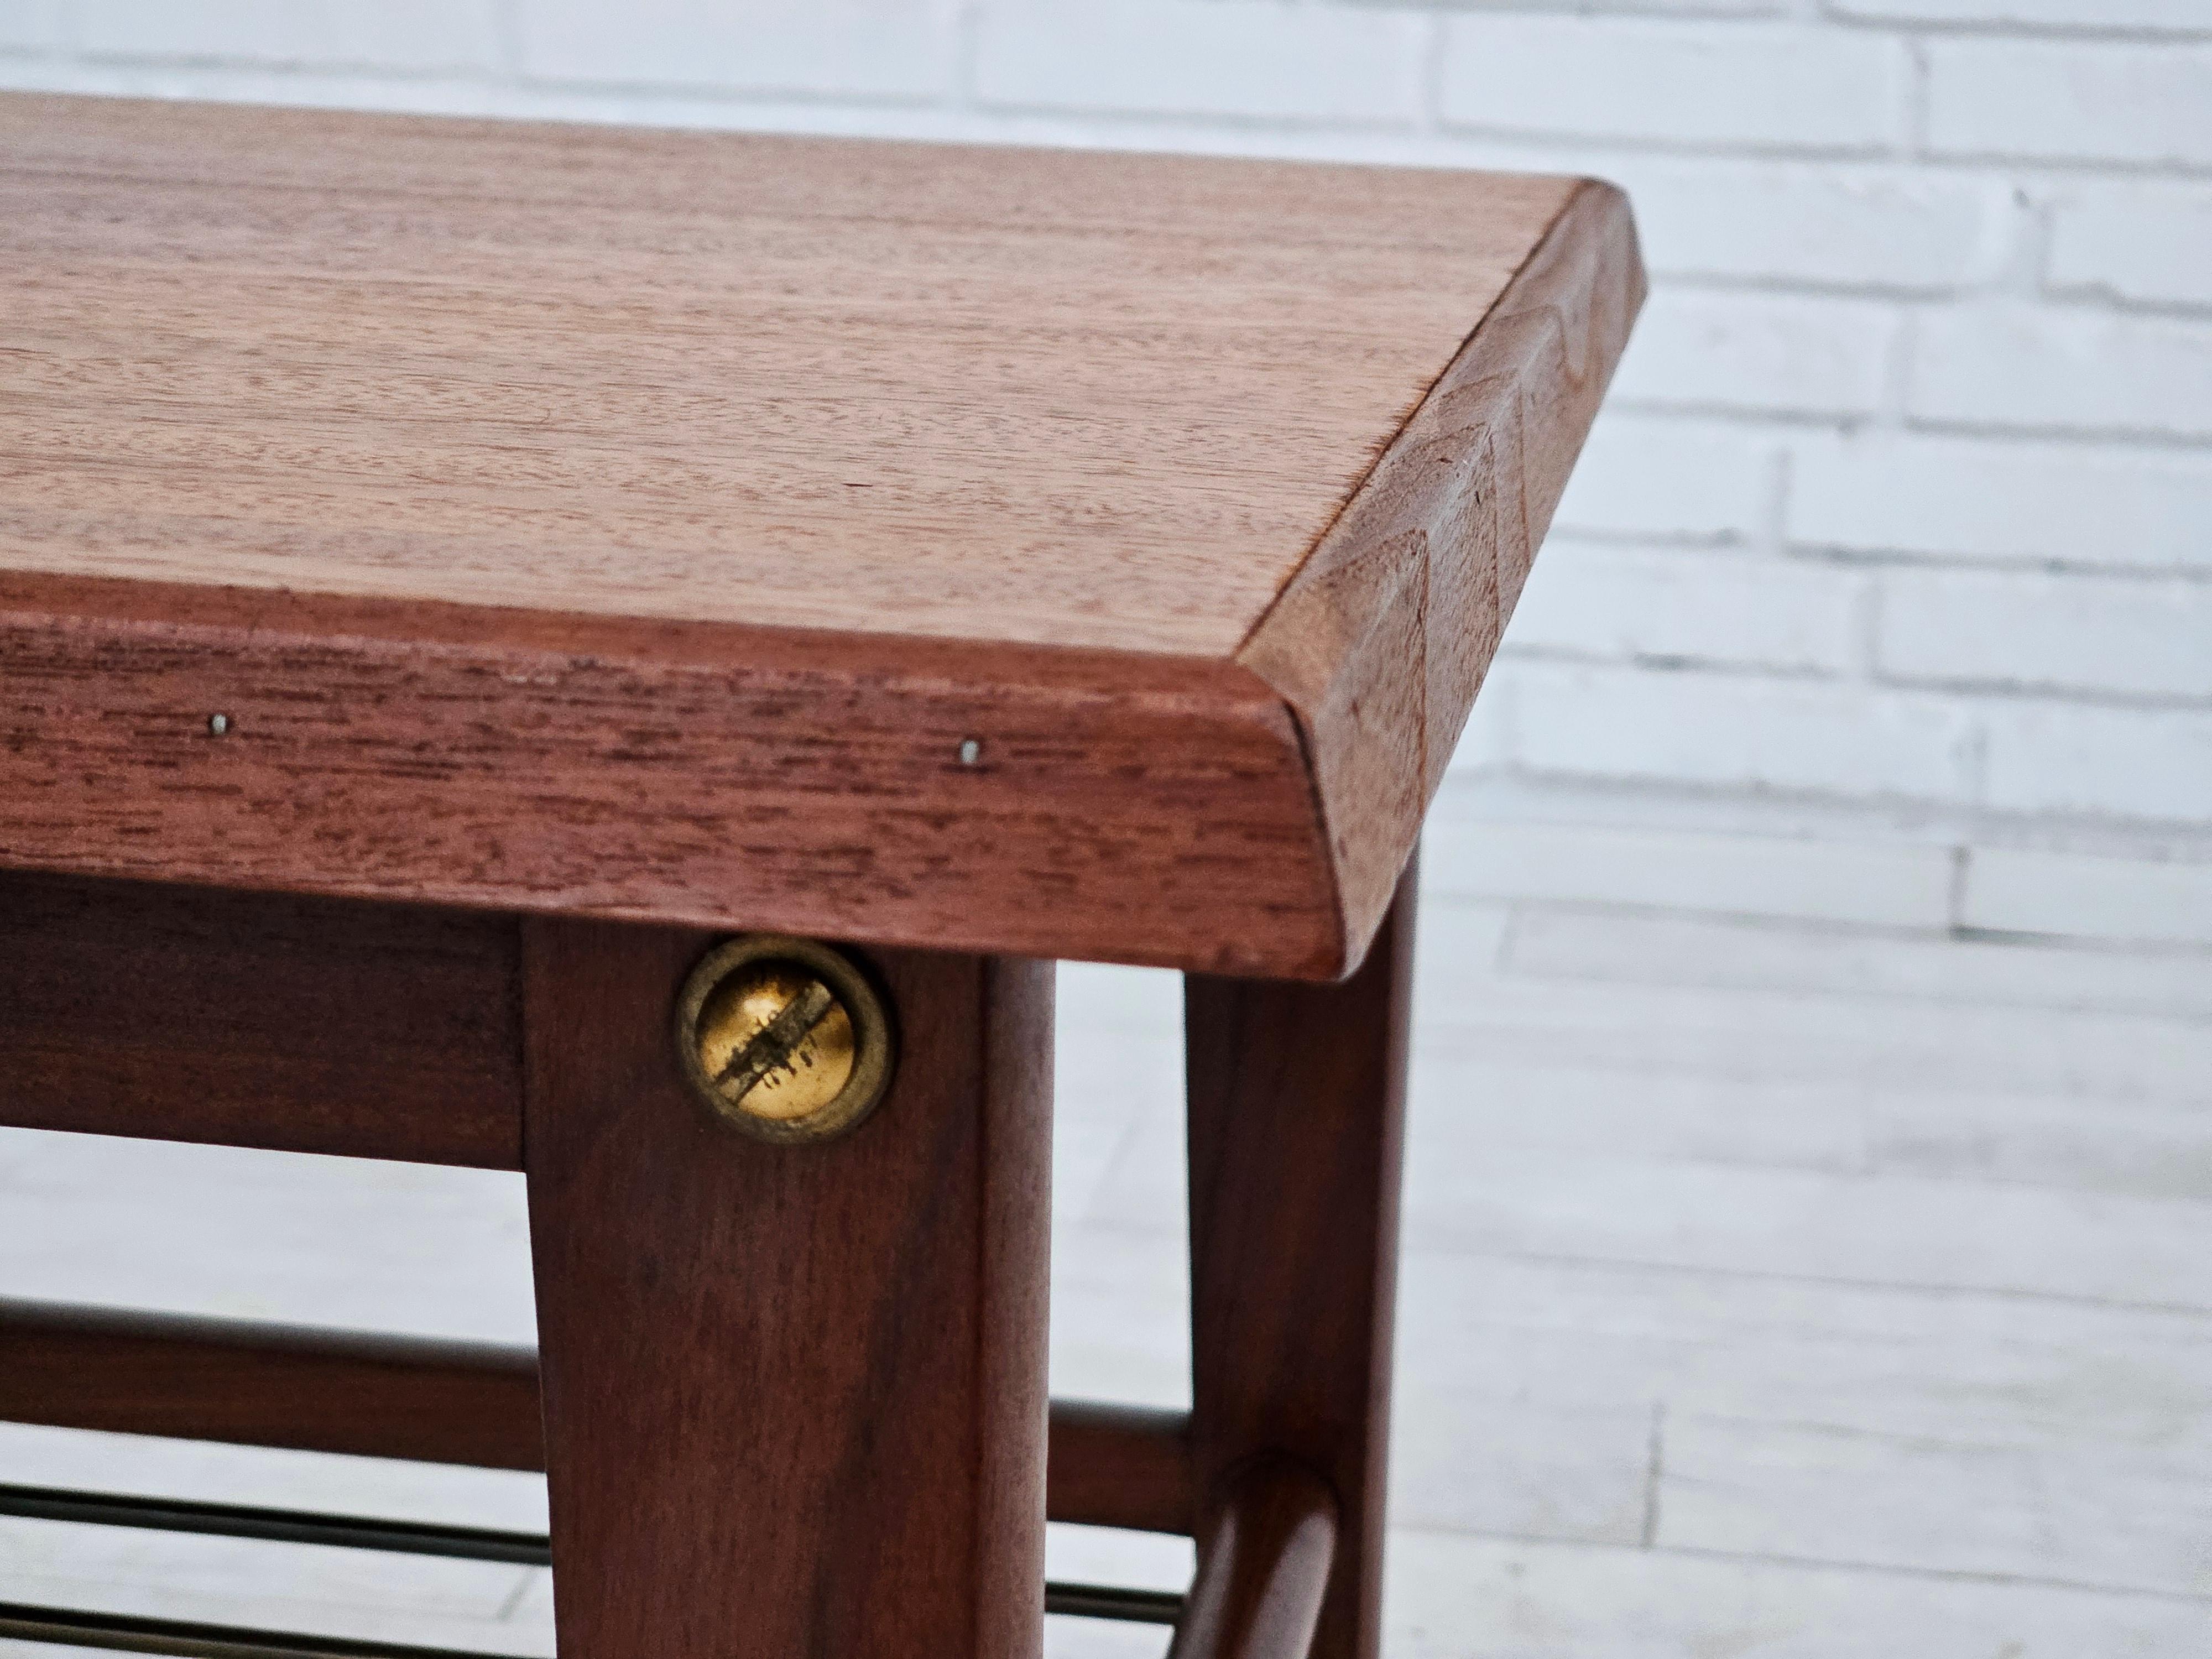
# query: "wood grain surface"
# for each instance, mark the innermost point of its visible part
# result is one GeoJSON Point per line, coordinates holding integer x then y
{"type": "Point", "coordinates": [246, 1019]}
{"type": "Point", "coordinates": [498, 479]}
{"type": "Point", "coordinates": [367, 753]}
{"type": "Point", "coordinates": [1264, 1554]}
{"type": "Point", "coordinates": [259, 1384]}
{"type": "Point", "coordinates": [1121, 1466]}
{"type": "Point", "coordinates": [794, 1396]}
{"type": "Point", "coordinates": [1296, 1117]}
{"type": "Point", "coordinates": [437, 1400]}
{"type": "Point", "coordinates": [1381, 640]}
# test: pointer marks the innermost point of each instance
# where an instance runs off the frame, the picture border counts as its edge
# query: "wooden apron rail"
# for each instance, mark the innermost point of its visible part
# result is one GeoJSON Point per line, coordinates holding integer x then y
{"type": "Point", "coordinates": [1267, 1541]}
{"type": "Point", "coordinates": [441, 1402]}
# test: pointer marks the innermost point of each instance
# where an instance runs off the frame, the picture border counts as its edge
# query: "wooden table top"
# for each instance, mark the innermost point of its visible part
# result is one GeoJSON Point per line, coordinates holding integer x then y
{"type": "Point", "coordinates": [1042, 552]}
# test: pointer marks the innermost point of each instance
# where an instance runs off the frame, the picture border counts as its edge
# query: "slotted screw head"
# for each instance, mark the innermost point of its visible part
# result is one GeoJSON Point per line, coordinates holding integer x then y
{"type": "Point", "coordinates": [783, 1038]}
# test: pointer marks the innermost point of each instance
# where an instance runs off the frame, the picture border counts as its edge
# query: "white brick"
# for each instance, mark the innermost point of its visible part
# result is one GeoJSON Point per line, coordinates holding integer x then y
{"type": "Point", "coordinates": [2100, 763]}
{"type": "Point", "coordinates": [1806, 223]}
{"type": "Point", "coordinates": [1672, 606]}
{"type": "Point", "coordinates": [2185, 17]}
{"type": "Point", "coordinates": [1250, 59]}
{"type": "Point", "coordinates": [2146, 243]}
{"type": "Point", "coordinates": [1705, 8]}
{"type": "Point", "coordinates": [406, 34]}
{"type": "Point", "coordinates": [1738, 732]}
{"type": "Point", "coordinates": [860, 48]}
{"type": "Point", "coordinates": [415, 94]}
{"type": "Point", "coordinates": [1867, 884]}
{"type": "Point", "coordinates": [2067, 100]}
{"type": "Point", "coordinates": [1487, 742]}
{"type": "Point", "coordinates": [2022, 891]}
{"type": "Point", "coordinates": [2054, 370]}
{"type": "Point", "coordinates": [1757, 352]}
{"type": "Point", "coordinates": [30, 25]}
{"type": "Point", "coordinates": [2031, 631]}
{"type": "Point", "coordinates": [1669, 478]}
{"type": "Point", "coordinates": [1990, 499]}
{"type": "Point", "coordinates": [39, 71]}
{"type": "Point", "coordinates": [1769, 86]}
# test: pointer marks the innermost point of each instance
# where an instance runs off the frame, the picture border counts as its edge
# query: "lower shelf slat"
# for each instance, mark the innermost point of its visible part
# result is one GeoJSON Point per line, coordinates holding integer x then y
{"type": "Point", "coordinates": [441, 1402]}
{"type": "Point", "coordinates": [123, 1632]}
{"type": "Point", "coordinates": [277, 1526]}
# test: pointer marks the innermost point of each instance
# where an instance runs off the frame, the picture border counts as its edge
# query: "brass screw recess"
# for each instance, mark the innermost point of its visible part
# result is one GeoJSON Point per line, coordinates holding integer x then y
{"type": "Point", "coordinates": [783, 1038]}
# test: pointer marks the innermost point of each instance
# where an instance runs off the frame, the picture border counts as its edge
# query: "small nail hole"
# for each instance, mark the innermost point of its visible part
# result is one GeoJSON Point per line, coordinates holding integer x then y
{"type": "Point", "coordinates": [217, 724]}
{"type": "Point", "coordinates": [970, 752]}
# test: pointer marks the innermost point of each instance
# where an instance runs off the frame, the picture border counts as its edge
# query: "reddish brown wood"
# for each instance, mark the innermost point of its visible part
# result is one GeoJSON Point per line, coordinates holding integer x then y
{"type": "Point", "coordinates": [570, 521]}
{"type": "Point", "coordinates": [1382, 639]}
{"type": "Point", "coordinates": [270, 1385]}
{"type": "Point", "coordinates": [1264, 1557]}
{"type": "Point", "coordinates": [1296, 1104]}
{"type": "Point", "coordinates": [1121, 1466]}
{"type": "Point", "coordinates": [1149, 810]}
{"type": "Point", "coordinates": [312, 1025]}
{"type": "Point", "coordinates": [793, 1395]}
{"type": "Point", "coordinates": [429, 1401]}
{"type": "Point", "coordinates": [967, 391]}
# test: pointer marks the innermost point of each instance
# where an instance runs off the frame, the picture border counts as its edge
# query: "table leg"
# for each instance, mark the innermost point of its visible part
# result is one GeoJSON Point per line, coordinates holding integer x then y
{"type": "Point", "coordinates": [1296, 1110]}
{"type": "Point", "coordinates": [794, 1396]}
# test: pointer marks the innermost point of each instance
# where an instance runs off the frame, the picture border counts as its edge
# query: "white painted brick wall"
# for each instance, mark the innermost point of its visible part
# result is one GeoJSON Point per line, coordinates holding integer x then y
{"type": "Point", "coordinates": [396, 34]}
{"type": "Point", "coordinates": [28, 26]}
{"type": "Point", "coordinates": [2038, 369]}
{"type": "Point", "coordinates": [2069, 759]}
{"type": "Point", "coordinates": [2149, 243]}
{"type": "Point", "coordinates": [1820, 225]}
{"type": "Point", "coordinates": [1730, 730]}
{"type": "Point", "coordinates": [2181, 16]}
{"type": "Point", "coordinates": [1244, 59]}
{"type": "Point", "coordinates": [1762, 86]}
{"type": "Point", "coordinates": [1758, 353]}
{"type": "Point", "coordinates": [1976, 499]}
{"type": "Point", "coordinates": [2070, 101]}
{"type": "Point", "coordinates": [1904, 501]}
{"type": "Point", "coordinates": [1999, 631]}
{"type": "Point", "coordinates": [863, 48]}
{"type": "Point", "coordinates": [1655, 478]}
{"type": "Point", "coordinates": [1669, 605]}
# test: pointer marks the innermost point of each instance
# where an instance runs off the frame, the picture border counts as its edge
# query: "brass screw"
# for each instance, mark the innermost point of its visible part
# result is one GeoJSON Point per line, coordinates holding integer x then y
{"type": "Point", "coordinates": [783, 1038]}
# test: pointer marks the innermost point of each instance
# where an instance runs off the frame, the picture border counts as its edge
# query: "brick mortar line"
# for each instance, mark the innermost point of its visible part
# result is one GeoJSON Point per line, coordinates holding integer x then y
{"type": "Point", "coordinates": [2114, 442]}
{"type": "Point", "coordinates": [1741, 549]}
{"type": "Point", "coordinates": [1877, 560]}
{"type": "Point", "coordinates": [1965, 697]}
{"type": "Point", "coordinates": [1747, 552]}
{"type": "Point", "coordinates": [1816, 158]}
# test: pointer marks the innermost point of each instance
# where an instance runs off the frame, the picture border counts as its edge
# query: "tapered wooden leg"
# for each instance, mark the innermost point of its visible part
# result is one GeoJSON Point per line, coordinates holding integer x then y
{"type": "Point", "coordinates": [1296, 1109]}
{"type": "Point", "coordinates": [794, 1396]}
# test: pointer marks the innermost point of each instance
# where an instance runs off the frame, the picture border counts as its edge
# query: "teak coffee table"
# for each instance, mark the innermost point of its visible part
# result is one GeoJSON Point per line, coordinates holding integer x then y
{"type": "Point", "coordinates": [625, 656]}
